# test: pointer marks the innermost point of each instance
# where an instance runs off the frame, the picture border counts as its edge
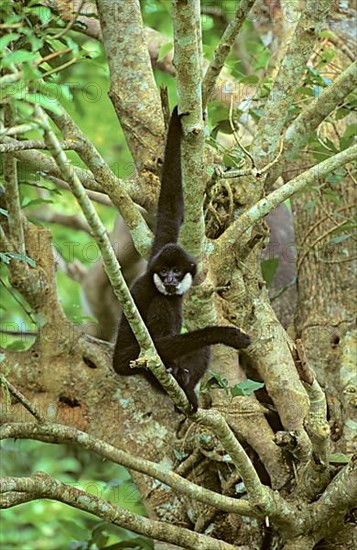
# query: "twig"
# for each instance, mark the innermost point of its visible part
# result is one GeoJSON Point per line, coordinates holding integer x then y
{"type": "Point", "coordinates": [240, 145]}
{"type": "Point", "coordinates": [267, 204]}
{"type": "Point", "coordinates": [321, 220]}
{"type": "Point", "coordinates": [24, 145]}
{"type": "Point", "coordinates": [23, 400]}
{"type": "Point", "coordinates": [96, 196]}
{"type": "Point", "coordinates": [20, 333]}
{"type": "Point", "coordinates": [52, 55]}
{"type": "Point", "coordinates": [14, 130]}
{"type": "Point", "coordinates": [61, 67]}
{"type": "Point", "coordinates": [71, 22]}
{"type": "Point", "coordinates": [13, 294]}
{"type": "Point", "coordinates": [323, 235]}
{"type": "Point", "coordinates": [311, 117]}
{"type": "Point", "coordinates": [73, 222]}
{"type": "Point", "coordinates": [224, 47]}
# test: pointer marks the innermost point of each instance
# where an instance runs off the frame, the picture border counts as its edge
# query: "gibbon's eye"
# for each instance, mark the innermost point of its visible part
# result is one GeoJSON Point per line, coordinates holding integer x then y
{"type": "Point", "coordinates": [176, 271]}
{"type": "Point", "coordinates": [163, 271]}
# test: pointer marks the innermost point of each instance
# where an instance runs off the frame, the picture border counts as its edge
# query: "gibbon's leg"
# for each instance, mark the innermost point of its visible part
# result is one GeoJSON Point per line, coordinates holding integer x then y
{"type": "Point", "coordinates": [123, 356]}
{"type": "Point", "coordinates": [189, 371]}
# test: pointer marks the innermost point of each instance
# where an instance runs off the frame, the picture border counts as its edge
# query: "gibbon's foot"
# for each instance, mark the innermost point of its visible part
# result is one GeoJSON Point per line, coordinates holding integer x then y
{"type": "Point", "coordinates": [245, 339]}
{"type": "Point", "coordinates": [238, 339]}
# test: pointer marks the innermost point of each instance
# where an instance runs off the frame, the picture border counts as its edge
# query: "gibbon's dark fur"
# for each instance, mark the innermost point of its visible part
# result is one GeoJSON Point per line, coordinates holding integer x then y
{"type": "Point", "coordinates": [159, 293]}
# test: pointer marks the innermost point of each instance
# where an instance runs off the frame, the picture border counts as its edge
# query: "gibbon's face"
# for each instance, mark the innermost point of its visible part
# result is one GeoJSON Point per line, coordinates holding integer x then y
{"type": "Point", "coordinates": [172, 281]}
{"type": "Point", "coordinates": [173, 271]}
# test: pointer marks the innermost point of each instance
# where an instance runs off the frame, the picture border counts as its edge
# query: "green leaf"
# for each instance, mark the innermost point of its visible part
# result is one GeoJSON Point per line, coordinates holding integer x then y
{"type": "Point", "coordinates": [18, 57]}
{"type": "Point", "coordinates": [44, 14]}
{"type": "Point", "coordinates": [75, 529]}
{"type": "Point", "coordinates": [216, 381]}
{"type": "Point", "coordinates": [269, 268]}
{"type": "Point", "coordinates": [309, 205]}
{"type": "Point", "coordinates": [17, 345]}
{"type": "Point", "coordinates": [250, 79]}
{"type": "Point", "coordinates": [54, 90]}
{"type": "Point", "coordinates": [42, 100]}
{"type": "Point", "coordinates": [4, 212]}
{"type": "Point", "coordinates": [340, 238]}
{"type": "Point", "coordinates": [31, 202]}
{"type": "Point", "coordinates": [229, 160]}
{"type": "Point", "coordinates": [7, 38]}
{"type": "Point", "coordinates": [222, 126]}
{"type": "Point", "coordinates": [339, 458]}
{"type": "Point", "coordinates": [248, 387]}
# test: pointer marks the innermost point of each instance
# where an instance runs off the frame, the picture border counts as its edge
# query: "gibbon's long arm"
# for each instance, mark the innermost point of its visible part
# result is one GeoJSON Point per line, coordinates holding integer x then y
{"type": "Point", "coordinates": [170, 207]}
{"type": "Point", "coordinates": [174, 347]}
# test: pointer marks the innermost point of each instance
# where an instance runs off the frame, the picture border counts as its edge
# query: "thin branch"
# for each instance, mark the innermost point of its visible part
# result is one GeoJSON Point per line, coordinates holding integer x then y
{"type": "Point", "coordinates": [24, 145]}
{"type": "Point", "coordinates": [71, 22]}
{"type": "Point", "coordinates": [14, 130]}
{"type": "Point", "coordinates": [12, 292]}
{"type": "Point", "coordinates": [223, 49]}
{"type": "Point", "coordinates": [311, 117]}
{"type": "Point", "coordinates": [12, 196]}
{"type": "Point", "coordinates": [58, 433]}
{"type": "Point", "coordinates": [21, 397]}
{"type": "Point", "coordinates": [73, 222]}
{"type": "Point", "coordinates": [240, 145]}
{"type": "Point", "coordinates": [44, 486]}
{"type": "Point", "coordinates": [109, 182]}
{"type": "Point", "coordinates": [87, 19]}
{"type": "Point", "coordinates": [267, 204]}
{"type": "Point", "coordinates": [288, 80]}
{"type": "Point", "coordinates": [304, 253]}
{"type": "Point", "coordinates": [95, 196]}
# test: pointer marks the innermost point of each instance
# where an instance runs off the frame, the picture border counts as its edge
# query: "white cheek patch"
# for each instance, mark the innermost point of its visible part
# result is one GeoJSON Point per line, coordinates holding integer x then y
{"type": "Point", "coordinates": [185, 284]}
{"type": "Point", "coordinates": [181, 287]}
{"type": "Point", "coordinates": [159, 284]}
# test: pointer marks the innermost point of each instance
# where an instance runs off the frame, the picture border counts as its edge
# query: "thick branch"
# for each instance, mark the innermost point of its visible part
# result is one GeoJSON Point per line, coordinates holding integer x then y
{"type": "Point", "coordinates": [57, 433]}
{"type": "Point", "coordinates": [189, 86]}
{"type": "Point", "coordinates": [43, 486]}
{"type": "Point", "coordinates": [329, 511]}
{"type": "Point", "coordinates": [132, 79]}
